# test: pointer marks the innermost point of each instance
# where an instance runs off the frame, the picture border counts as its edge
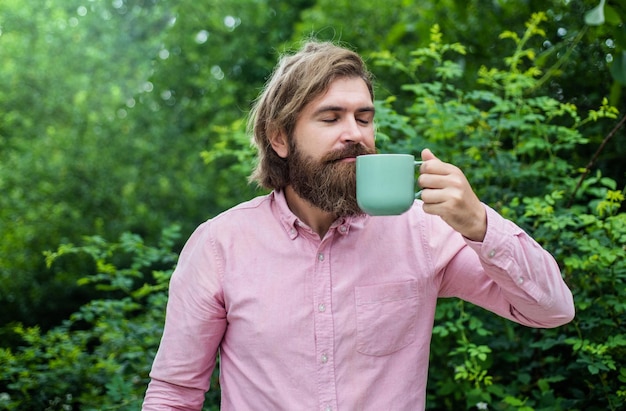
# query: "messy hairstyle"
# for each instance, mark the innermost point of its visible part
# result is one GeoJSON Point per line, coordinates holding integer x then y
{"type": "Point", "coordinates": [297, 80]}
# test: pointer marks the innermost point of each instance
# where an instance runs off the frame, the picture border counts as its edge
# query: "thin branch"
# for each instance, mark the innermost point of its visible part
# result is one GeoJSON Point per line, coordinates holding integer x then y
{"type": "Point", "coordinates": [593, 160]}
{"type": "Point", "coordinates": [561, 61]}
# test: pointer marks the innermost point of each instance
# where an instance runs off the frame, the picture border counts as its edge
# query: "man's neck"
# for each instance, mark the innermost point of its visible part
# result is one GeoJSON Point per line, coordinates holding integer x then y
{"type": "Point", "coordinates": [316, 218]}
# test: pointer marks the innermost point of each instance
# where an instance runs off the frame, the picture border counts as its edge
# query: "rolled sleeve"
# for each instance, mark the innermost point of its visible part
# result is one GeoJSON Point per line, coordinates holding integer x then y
{"type": "Point", "coordinates": [527, 276]}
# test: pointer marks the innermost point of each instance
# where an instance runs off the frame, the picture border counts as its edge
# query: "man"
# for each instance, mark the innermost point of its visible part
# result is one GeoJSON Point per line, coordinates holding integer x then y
{"type": "Point", "coordinates": [314, 305]}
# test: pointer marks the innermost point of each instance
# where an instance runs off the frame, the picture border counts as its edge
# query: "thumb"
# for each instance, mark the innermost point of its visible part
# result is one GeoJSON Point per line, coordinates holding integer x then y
{"type": "Point", "coordinates": [427, 155]}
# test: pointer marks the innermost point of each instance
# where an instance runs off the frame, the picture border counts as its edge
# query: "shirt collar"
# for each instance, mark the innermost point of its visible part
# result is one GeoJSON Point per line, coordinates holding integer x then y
{"type": "Point", "coordinates": [291, 223]}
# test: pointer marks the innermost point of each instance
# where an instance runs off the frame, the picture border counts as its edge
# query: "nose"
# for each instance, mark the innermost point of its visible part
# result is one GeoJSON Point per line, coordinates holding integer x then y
{"type": "Point", "coordinates": [353, 131]}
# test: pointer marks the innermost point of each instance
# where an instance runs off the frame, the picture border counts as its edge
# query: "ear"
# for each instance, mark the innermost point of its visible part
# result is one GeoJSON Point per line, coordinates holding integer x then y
{"type": "Point", "coordinates": [278, 140]}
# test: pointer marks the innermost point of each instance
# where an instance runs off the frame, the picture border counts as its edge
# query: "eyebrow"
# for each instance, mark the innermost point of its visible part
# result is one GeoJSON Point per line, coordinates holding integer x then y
{"type": "Point", "coordinates": [325, 109]}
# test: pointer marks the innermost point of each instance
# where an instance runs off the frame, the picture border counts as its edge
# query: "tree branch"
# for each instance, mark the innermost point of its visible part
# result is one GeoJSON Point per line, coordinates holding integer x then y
{"type": "Point", "coordinates": [593, 160]}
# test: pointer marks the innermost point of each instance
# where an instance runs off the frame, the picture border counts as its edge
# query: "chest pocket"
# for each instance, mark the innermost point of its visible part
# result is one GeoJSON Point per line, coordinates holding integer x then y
{"type": "Point", "coordinates": [386, 316]}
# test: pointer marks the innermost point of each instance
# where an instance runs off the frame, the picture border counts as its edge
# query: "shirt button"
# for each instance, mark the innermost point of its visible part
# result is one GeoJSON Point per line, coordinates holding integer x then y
{"type": "Point", "coordinates": [324, 358]}
{"type": "Point", "coordinates": [491, 254]}
{"type": "Point", "coordinates": [328, 408]}
{"type": "Point", "coordinates": [292, 231]}
{"type": "Point", "coordinates": [343, 229]}
{"type": "Point", "coordinates": [320, 256]}
{"type": "Point", "coordinates": [520, 280]}
{"type": "Point", "coordinates": [321, 308]}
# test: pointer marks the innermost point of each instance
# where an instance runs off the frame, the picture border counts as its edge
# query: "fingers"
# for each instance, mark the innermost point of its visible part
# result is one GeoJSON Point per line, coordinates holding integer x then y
{"type": "Point", "coordinates": [435, 174]}
{"type": "Point", "coordinates": [441, 182]}
{"type": "Point", "coordinates": [447, 193]}
{"type": "Point", "coordinates": [427, 155]}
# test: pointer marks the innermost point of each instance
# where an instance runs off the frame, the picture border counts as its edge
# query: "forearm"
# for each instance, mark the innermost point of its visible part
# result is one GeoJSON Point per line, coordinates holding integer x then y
{"type": "Point", "coordinates": [516, 277]}
{"type": "Point", "coordinates": [530, 281]}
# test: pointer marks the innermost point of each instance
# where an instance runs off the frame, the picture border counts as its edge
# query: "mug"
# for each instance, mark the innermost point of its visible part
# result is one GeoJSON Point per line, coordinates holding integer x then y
{"type": "Point", "coordinates": [385, 183]}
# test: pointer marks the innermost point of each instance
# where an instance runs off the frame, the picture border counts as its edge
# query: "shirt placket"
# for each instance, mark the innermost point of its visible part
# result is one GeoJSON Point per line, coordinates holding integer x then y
{"type": "Point", "coordinates": [324, 328]}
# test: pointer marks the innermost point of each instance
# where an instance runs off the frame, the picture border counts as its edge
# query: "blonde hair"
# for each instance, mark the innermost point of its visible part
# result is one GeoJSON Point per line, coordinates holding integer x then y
{"type": "Point", "coordinates": [296, 81]}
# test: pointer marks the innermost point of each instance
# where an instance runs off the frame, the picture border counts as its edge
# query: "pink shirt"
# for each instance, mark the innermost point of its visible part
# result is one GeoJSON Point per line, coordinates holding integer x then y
{"type": "Point", "coordinates": [339, 323]}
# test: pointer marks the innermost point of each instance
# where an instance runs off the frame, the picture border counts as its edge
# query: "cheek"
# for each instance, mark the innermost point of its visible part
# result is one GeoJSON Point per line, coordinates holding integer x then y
{"type": "Point", "coordinates": [313, 147]}
{"type": "Point", "coordinates": [320, 143]}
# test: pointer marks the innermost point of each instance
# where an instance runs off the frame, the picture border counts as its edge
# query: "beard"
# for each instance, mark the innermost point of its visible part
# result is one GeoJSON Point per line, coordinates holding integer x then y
{"type": "Point", "coordinates": [328, 183]}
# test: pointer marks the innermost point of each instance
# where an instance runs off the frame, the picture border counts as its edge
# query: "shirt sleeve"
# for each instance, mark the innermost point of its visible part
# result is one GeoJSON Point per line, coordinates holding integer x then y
{"type": "Point", "coordinates": [194, 326]}
{"type": "Point", "coordinates": [510, 274]}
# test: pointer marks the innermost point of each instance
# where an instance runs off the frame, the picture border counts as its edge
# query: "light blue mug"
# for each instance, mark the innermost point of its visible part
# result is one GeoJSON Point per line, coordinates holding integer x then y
{"type": "Point", "coordinates": [385, 183]}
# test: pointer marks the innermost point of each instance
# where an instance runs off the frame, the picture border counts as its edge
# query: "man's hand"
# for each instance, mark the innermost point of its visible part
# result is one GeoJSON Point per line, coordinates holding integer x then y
{"type": "Point", "coordinates": [447, 193]}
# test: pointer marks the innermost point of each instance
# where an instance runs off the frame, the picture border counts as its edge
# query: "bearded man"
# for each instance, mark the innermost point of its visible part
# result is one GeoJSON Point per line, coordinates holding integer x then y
{"type": "Point", "coordinates": [312, 304]}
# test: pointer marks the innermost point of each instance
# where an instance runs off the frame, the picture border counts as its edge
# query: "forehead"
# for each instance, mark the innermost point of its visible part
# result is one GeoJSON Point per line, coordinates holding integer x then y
{"type": "Point", "coordinates": [346, 93]}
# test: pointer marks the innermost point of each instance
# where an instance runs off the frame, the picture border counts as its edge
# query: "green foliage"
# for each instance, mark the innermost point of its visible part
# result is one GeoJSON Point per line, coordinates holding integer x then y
{"type": "Point", "coordinates": [84, 360]}
{"type": "Point", "coordinates": [104, 109]}
{"type": "Point", "coordinates": [66, 163]}
{"type": "Point", "coordinates": [508, 135]}
{"type": "Point", "coordinates": [100, 357]}
{"type": "Point", "coordinates": [611, 15]}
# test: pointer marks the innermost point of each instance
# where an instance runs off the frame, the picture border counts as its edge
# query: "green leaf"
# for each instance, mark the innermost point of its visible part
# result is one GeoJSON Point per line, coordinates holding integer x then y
{"type": "Point", "coordinates": [595, 16]}
{"type": "Point", "coordinates": [593, 369]}
{"type": "Point", "coordinates": [612, 16]}
{"type": "Point", "coordinates": [618, 68]}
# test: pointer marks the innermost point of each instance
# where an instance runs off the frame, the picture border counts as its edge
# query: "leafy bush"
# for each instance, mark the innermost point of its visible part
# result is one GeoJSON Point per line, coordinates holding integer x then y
{"type": "Point", "coordinates": [99, 359]}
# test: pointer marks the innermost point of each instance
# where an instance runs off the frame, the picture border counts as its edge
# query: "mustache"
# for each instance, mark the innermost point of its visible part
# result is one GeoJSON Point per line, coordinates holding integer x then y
{"type": "Point", "coordinates": [349, 151]}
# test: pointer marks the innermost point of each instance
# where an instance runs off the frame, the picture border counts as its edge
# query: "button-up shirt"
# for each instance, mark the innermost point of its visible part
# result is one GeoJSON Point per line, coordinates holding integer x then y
{"type": "Point", "coordinates": [342, 322]}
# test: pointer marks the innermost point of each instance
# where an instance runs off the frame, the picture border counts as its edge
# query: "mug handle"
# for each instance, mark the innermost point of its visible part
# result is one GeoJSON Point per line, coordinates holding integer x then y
{"type": "Point", "coordinates": [418, 195]}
